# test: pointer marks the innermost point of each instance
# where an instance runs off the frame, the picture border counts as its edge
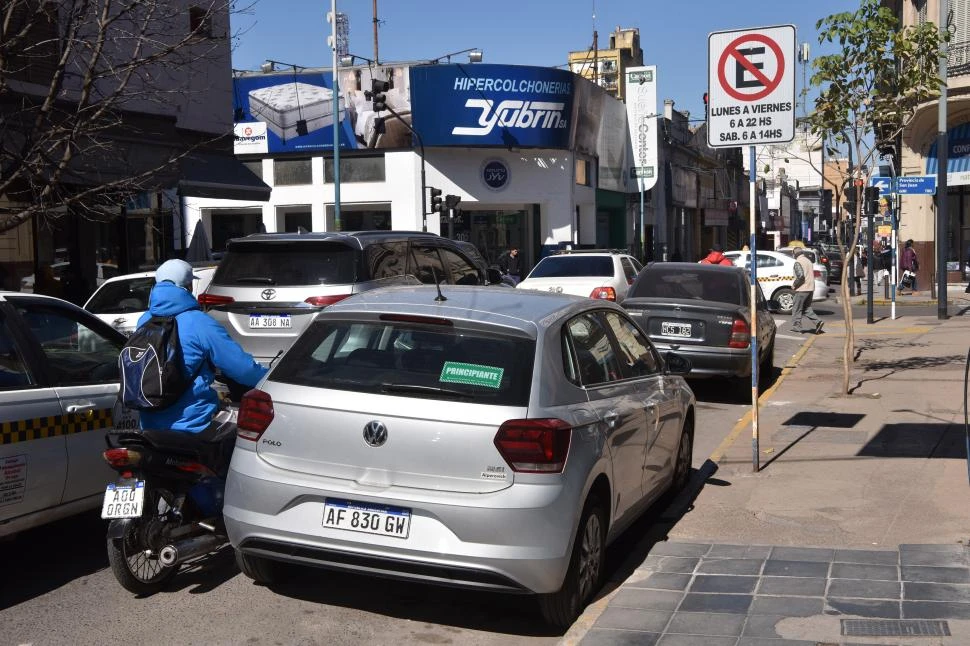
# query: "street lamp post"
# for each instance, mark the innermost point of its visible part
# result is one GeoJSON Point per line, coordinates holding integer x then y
{"type": "Point", "coordinates": [335, 101]}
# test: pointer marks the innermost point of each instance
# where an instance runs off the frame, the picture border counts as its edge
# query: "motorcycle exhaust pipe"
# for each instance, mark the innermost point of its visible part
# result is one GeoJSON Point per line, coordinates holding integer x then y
{"type": "Point", "coordinates": [178, 553]}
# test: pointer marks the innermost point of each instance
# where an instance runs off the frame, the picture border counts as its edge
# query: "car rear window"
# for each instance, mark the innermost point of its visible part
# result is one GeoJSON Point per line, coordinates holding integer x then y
{"type": "Point", "coordinates": [717, 286]}
{"type": "Point", "coordinates": [286, 263]}
{"type": "Point", "coordinates": [404, 359]}
{"type": "Point", "coordinates": [569, 266]}
{"type": "Point", "coordinates": [122, 296]}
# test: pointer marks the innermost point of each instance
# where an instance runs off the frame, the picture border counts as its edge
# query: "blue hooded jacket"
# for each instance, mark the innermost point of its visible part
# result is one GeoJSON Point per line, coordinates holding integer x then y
{"type": "Point", "coordinates": [205, 344]}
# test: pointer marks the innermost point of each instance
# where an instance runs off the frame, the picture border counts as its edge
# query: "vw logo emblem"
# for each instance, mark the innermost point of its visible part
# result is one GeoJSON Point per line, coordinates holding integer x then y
{"type": "Point", "coordinates": [375, 433]}
{"type": "Point", "coordinates": [268, 294]}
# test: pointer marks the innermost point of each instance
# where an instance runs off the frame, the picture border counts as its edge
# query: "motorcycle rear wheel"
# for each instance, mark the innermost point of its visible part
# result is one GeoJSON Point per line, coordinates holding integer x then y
{"type": "Point", "coordinates": [134, 563]}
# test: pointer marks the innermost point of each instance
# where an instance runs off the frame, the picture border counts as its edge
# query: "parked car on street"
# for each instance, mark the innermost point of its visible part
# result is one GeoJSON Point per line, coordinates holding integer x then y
{"type": "Point", "coordinates": [485, 438]}
{"type": "Point", "coordinates": [776, 273]}
{"type": "Point", "coordinates": [704, 313]}
{"type": "Point", "coordinates": [122, 300]}
{"type": "Point", "coordinates": [270, 286]}
{"type": "Point", "coordinates": [829, 255]}
{"type": "Point", "coordinates": [596, 273]}
{"type": "Point", "coordinates": [58, 398]}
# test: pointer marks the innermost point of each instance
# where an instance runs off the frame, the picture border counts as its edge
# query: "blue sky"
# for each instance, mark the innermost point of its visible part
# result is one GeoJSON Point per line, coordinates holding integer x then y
{"type": "Point", "coordinates": [673, 35]}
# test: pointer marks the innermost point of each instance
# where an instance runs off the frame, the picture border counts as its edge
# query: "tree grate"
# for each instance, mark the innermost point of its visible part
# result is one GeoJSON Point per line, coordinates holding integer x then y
{"type": "Point", "coordinates": [895, 628]}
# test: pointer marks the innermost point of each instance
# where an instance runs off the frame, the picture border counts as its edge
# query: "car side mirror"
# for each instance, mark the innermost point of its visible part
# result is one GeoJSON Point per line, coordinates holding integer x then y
{"type": "Point", "coordinates": [494, 276]}
{"type": "Point", "coordinates": [677, 364]}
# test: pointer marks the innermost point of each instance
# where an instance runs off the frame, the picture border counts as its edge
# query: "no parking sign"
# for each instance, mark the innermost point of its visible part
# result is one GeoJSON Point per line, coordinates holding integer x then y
{"type": "Point", "coordinates": [751, 87]}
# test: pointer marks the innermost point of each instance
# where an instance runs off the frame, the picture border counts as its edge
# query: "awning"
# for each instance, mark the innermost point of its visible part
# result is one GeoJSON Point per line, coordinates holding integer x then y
{"type": "Point", "coordinates": [220, 177]}
{"type": "Point", "coordinates": [958, 156]}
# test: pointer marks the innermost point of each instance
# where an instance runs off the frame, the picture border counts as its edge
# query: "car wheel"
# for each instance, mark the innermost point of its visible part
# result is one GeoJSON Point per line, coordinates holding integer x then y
{"type": "Point", "coordinates": [585, 574]}
{"type": "Point", "coordinates": [785, 299]}
{"type": "Point", "coordinates": [685, 457]}
{"type": "Point", "coordinates": [261, 570]}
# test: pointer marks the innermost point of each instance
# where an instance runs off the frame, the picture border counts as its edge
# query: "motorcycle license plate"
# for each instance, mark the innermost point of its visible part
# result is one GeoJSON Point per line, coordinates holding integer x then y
{"type": "Point", "coordinates": [123, 500]}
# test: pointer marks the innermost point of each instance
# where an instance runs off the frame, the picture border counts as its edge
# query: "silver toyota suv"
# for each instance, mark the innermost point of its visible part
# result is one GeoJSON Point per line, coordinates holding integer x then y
{"type": "Point", "coordinates": [269, 286]}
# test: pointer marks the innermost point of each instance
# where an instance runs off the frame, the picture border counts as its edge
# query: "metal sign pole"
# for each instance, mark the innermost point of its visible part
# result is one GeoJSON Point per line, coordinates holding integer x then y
{"type": "Point", "coordinates": [753, 256]}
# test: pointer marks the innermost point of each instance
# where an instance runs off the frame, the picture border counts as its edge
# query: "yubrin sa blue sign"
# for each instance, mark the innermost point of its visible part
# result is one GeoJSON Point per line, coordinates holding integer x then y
{"type": "Point", "coordinates": [492, 105]}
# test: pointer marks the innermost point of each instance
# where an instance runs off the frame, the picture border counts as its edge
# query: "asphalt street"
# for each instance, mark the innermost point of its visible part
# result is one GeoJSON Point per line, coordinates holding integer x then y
{"type": "Point", "coordinates": [58, 588]}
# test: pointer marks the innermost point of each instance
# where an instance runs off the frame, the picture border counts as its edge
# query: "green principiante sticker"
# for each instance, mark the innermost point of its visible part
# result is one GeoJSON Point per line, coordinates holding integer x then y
{"type": "Point", "coordinates": [472, 374]}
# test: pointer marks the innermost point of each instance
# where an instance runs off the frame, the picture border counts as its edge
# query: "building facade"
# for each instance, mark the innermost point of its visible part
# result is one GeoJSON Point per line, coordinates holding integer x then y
{"type": "Point", "coordinates": [917, 148]}
{"type": "Point", "coordinates": [607, 67]}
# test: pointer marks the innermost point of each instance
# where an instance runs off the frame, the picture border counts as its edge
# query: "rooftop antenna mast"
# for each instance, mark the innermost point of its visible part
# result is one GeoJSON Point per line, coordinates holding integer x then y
{"type": "Point", "coordinates": [595, 48]}
{"type": "Point", "coordinates": [377, 57]}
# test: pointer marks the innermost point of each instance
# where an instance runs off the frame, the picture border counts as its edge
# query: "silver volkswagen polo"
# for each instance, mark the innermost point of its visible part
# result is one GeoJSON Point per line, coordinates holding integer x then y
{"type": "Point", "coordinates": [495, 439]}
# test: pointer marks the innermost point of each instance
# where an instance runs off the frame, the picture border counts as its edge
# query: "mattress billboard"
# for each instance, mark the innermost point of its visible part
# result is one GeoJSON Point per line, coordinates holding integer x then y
{"type": "Point", "coordinates": [282, 112]}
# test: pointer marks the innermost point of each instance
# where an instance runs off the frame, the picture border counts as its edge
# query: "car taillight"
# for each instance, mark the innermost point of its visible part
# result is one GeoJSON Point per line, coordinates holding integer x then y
{"type": "Point", "coordinates": [740, 334]}
{"type": "Point", "coordinates": [211, 300]}
{"type": "Point", "coordinates": [119, 458]}
{"type": "Point", "coordinates": [604, 293]}
{"type": "Point", "coordinates": [817, 273]}
{"type": "Point", "coordinates": [534, 445]}
{"type": "Point", "coordinates": [323, 301]}
{"type": "Point", "coordinates": [255, 415]}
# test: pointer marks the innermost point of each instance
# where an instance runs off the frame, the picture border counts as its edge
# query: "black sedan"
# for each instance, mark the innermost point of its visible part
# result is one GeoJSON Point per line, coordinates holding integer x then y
{"type": "Point", "coordinates": [702, 312]}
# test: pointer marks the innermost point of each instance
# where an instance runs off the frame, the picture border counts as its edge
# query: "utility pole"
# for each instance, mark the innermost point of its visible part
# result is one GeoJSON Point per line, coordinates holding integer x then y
{"type": "Point", "coordinates": [942, 155]}
{"type": "Point", "coordinates": [377, 57]}
{"type": "Point", "coordinates": [595, 48]}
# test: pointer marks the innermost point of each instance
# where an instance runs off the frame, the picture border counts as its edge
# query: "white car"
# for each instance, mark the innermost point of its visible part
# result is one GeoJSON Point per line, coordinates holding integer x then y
{"type": "Point", "coordinates": [817, 265]}
{"type": "Point", "coordinates": [58, 398]}
{"type": "Point", "coordinates": [121, 301]}
{"type": "Point", "coordinates": [59, 269]}
{"type": "Point", "coordinates": [776, 273]}
{"type": "Point", "coordinates": [597, 273]}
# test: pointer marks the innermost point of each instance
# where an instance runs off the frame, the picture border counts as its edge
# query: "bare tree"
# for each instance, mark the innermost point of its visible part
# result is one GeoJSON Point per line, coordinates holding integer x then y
{"type": "Point", "coordinates": [869, 92]}
{"type": "Point", "coordinates": [85, 84]}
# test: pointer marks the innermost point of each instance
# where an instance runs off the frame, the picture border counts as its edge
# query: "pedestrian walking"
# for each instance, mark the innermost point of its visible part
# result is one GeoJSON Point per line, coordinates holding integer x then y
{"type": "Point", "coordinates": [859, 270]}
{"type": "Point", "coordinates": [511, 265]}
{"type": "Point", "coordinates": [804, 286]}
{"type": "Point", "coordinates": [909, 264]}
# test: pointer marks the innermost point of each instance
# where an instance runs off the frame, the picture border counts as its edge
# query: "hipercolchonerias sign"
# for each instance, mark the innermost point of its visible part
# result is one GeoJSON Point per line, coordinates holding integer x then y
{"type": "Point", "coordinates": [493, 105]}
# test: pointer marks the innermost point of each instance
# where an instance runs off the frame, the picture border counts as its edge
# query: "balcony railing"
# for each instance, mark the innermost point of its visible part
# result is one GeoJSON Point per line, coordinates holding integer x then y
{"type": "Point", "coordinates": [958, 59]}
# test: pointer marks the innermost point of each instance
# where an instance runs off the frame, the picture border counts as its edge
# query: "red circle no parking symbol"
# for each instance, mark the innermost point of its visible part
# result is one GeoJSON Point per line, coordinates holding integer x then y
{"type": "Point", "coordinates": [767, 85]}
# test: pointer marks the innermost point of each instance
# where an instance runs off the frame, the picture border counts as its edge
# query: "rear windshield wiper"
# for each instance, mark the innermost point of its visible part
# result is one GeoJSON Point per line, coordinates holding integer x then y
{"type": "Point", "coordinates": [261, 280]}
{"type": "Point", "coordinates": [425, 390]}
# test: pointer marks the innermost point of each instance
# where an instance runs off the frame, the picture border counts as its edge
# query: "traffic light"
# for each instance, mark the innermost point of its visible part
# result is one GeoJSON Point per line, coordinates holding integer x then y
{"type": "Point", "coordinates": [825, 208]}
{"type": "Point", "coordinates": [872, 200]}
{"type": "Point", "coordinates": [452, 201]}
{"type": "Point", "coordinates": [378, 88]}
{"type": "Point", "coordinates": [851, 195]}
{"type": "Point", "coordinates": [435, 200]}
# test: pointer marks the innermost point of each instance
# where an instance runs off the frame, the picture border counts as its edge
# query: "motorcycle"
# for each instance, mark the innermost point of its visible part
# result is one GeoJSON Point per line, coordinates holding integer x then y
{"type": "Point", "coordinates": [166, 507]}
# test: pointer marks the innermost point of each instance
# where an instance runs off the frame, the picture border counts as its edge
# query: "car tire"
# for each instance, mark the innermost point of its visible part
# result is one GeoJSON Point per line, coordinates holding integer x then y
{"type": "Point", "coordinates": [585, 574]}
{"type": "Point", "coordinates": [784, 298]}
{"type": "Point", "coordinates": [685, 458]}
{"type": "Point", "coordinates": [261, 570]}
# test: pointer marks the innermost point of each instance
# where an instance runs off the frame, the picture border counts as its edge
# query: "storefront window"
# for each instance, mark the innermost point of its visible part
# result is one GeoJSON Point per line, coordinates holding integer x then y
{"type": "Point", "coordinates": [355, 169]}
{"type": "Point", "coordinates": [360, 218]}
{"type": "Point", "coordinates": [234, 224]}
{"type": "Point", "coordinates": [292, 172]}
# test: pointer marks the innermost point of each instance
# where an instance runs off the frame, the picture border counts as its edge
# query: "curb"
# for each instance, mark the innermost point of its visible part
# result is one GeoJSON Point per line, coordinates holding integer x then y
{"type": "Point", "coordinates": [587, 620]}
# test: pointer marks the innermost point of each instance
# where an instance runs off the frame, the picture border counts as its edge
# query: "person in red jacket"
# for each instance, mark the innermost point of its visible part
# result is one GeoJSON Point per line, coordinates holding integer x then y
{"type": "Point", "coordinates": [716, 257]}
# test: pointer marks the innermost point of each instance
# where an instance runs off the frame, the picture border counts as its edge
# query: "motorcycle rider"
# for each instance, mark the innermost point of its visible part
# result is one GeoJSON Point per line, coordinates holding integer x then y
{"type": "Point", "coordinates": [205, 346]}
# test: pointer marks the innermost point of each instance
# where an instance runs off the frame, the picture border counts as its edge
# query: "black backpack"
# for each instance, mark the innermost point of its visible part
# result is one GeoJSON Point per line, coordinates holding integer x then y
{"type": "Point", "coordinates": [151, 366]}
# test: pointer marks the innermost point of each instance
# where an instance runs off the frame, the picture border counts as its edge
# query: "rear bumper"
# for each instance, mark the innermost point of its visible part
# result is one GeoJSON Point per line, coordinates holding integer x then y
{"type": "Point", "coordinates": [713, 362]}
{"type": "Point", "coordinates": [514, 540]}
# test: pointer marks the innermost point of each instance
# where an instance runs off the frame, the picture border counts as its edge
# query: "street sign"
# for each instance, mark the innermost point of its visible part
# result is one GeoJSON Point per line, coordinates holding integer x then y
{"type": "Point", "coordinates": [916, 184]}
{"type": "Point", "coordinates": [883, 183]}
{"type": "Point", "coordinates": [641, 112]}
{"type": "Point", "coordinates": [751, 86]}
